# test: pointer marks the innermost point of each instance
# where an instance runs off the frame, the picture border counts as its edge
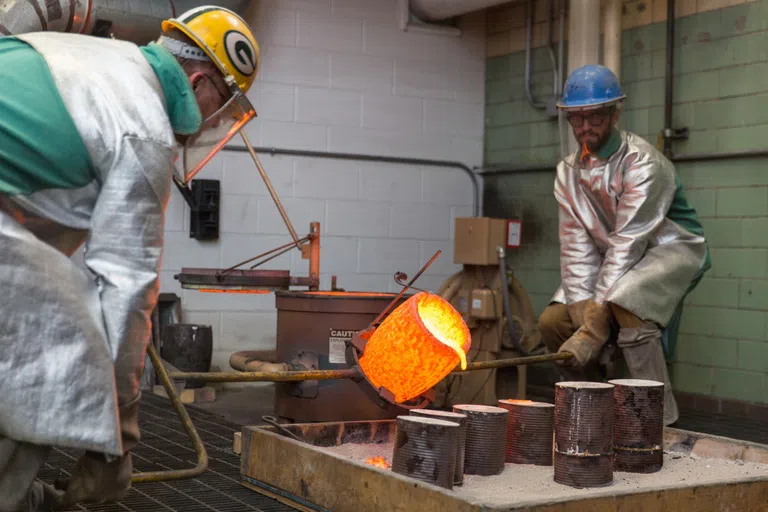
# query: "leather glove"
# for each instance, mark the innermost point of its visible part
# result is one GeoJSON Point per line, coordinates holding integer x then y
{"type": "Point", "coordinates": [576, 312]}
{"type": "Point", "coordinates": [94, 480]}
{"type": "Point", "coordinates": [586, 342]}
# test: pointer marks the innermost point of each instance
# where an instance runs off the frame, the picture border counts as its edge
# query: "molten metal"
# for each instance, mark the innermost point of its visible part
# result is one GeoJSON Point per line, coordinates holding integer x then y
{"type": "Point", "coordinates": [378, 461]}
{"type": "Point", "coordinates": [416, 346]}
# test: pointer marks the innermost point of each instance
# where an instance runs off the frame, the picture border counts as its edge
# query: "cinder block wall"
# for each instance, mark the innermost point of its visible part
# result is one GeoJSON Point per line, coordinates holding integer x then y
{"type": "Point", "coordinates": [341, 76]}
{"type": "Point", "coordinates": [720, 95]}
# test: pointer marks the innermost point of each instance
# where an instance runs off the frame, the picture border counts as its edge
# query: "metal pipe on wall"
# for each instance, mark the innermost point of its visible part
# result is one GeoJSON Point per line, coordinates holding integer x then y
{"type": "Point", "coordinates": [612, 36]}
{"type": "Point", "coordinates": [668, 78]}
{"type": "Point", "coordinates": [583, 42]}
{"type": "Point", "coordinates": [477, 208]}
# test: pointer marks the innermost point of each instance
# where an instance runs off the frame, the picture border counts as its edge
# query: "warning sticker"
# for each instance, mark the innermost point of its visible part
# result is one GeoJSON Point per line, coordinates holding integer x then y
{"type": "Point", "coordinates": [337, 346]}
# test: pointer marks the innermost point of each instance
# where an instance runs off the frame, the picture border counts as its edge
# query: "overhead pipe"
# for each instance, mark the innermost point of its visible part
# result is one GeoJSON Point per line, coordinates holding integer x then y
{"type": "Point", "coordinates": [137, 22]}
{"type": "Point", "coordinates": [668, 79]}
{"type": "Point", "coordinates": [583, 42]}
{"type": "Point", "coordinates": [439, 10]}
{"type": "Point", "coordinates": [477, 198]}
{"type": "Point", "coordinates": [528, 44]}
{"type": "Point", "coordinates": [612, 36]}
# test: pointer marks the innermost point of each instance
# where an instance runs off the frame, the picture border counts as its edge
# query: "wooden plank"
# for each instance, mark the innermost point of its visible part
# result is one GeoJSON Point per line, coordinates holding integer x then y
{"type": "Point", "coordinates": [237, 443]}
{"type": "Point", "coordinates": [335, 483]}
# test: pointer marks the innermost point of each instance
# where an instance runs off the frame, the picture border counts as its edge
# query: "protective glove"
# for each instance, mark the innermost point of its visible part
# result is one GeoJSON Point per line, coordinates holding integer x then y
{"type": "Point", "coordinates": [576, 312]}
{"type": "Point", "coordinates": [586, 342]}
{"type": "Point", "coordinates": [94, 480]}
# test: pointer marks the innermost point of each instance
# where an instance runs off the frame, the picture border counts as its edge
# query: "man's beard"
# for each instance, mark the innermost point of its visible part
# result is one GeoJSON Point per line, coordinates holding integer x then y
{"type": "Point", "coordinates": [594, 145]}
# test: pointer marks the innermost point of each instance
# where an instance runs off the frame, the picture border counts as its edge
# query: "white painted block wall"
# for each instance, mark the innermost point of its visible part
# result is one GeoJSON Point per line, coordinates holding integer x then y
{"type": "Point", "coordinates": [339, 75]}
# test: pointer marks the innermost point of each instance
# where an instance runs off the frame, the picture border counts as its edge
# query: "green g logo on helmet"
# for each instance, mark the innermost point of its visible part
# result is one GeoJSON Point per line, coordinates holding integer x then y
{"type": "Point", "coordinates": [240, 52]}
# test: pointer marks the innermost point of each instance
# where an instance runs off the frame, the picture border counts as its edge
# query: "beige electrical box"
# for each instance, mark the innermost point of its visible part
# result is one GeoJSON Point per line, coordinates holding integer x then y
{"type": "Point", "coordinates": [485, 304]}
{"type": "Point", "coordinates": [476, 239]}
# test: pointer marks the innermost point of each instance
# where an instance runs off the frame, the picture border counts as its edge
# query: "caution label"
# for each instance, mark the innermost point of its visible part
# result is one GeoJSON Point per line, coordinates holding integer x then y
{"type": "Point", "coordinates": [337, 345]}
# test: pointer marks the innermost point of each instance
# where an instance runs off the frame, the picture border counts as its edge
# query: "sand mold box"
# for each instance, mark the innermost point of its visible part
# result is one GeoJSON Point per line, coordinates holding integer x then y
{"type": "Point", "coordinates": [520, 483]}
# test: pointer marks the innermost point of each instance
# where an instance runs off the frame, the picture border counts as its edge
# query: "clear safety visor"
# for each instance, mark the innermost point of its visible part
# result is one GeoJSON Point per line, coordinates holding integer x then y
{"type": "Point", "coordinates": [214, 134]}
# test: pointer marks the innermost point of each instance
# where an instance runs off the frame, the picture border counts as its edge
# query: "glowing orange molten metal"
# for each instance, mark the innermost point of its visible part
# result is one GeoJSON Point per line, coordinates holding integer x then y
{"type": "Point", "coordinates": [416, 346]}
{"type": "Point", "coordinates": [378, 461]}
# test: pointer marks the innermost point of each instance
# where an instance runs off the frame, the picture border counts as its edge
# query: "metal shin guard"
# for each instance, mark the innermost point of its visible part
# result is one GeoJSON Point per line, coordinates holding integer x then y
{"type": "Point", "coordinates": [644, 355]}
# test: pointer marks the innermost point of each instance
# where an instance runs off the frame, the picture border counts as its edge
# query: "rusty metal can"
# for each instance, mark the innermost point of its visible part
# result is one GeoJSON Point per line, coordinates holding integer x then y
{"type": "Point", "coordinates": [461, 419]}
{"type": "Point", "coordinates": [486, 438]}
{"type": "Point", "coordinates": [638, 430]}
{"type": "Point", "coordinates": [425, 449]}
{"type": "Point", "coordinates": [530, 427]}
{"type": "Point", "coordinates": [583, 434]}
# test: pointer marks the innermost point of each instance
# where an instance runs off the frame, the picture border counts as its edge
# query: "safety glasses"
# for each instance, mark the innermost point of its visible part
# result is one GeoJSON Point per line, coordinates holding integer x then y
{"type": "Point", "coordinates": [596, 118]}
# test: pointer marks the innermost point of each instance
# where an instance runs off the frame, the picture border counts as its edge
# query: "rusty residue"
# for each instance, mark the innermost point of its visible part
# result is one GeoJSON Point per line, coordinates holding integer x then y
{"type": "Point", "coordinates": [704, 37]}
{"type": "Point", "coordinates": [639, 45]}
{"type": "Point", "coordinates": [741, 23]}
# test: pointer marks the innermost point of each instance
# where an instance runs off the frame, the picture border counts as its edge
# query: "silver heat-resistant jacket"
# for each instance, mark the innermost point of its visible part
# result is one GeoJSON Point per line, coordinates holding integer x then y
{"type": "Point", "coordinates": [618, 241]}
{"type": "Point", "coordinates": [73, 344]}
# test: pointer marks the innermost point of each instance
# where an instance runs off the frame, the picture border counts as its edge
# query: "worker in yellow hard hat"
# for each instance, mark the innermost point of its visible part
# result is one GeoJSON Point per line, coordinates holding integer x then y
{"type": "Point", "coordinates": [90, 133]}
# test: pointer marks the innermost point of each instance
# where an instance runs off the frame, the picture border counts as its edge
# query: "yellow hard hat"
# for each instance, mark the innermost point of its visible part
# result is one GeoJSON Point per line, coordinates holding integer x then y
{"type": "Point", "coordinates": [225, 37]}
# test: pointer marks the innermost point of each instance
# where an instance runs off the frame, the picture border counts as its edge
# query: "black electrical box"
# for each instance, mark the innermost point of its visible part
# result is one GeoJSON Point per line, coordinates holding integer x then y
{"type": "Point", "coordinates": [204, 214]}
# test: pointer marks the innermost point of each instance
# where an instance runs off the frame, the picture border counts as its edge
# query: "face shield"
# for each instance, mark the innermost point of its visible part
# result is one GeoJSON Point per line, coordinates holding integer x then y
{"type": "Point", "coordinates": [571, 119]}
{"type": "Point", "coordinates": [215, 132]}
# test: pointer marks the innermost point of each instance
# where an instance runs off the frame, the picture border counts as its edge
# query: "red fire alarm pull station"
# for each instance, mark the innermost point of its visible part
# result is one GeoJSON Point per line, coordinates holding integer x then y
{"type": "Point", "coordinates": [514, 232]}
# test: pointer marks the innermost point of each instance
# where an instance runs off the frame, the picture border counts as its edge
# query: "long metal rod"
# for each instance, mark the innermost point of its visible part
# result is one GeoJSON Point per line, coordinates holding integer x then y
{"type": "Point", "coordinates": [298, 376]}
{"type": "Point", "coordinates": [405, 288]}
{"type": "Point", "coordinates": [364, 157]}
{"type": "Point", "coordinates": [189, 428]}
{"type": "Point", "coordinates": [294, 376]}
{"type": "Point", "coordinates": [271, 189]}
{"type": "Point", "coordinates": [233, 267]}
{"type": "Point", "coordinates": [681, 158]}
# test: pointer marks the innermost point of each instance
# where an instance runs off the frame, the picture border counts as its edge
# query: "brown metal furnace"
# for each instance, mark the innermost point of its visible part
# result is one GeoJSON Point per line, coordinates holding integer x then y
{"type": "Point", "coordinates": [314, 326]}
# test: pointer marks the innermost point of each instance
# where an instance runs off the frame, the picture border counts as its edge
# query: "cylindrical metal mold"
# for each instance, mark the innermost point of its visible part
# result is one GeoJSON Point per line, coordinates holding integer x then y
{"type": "Point", "coordinates": [530, 430]}
{"type": "Point", "coordinates": [583, 434]}
{"type": "Point", "coordinates": [638, 430]}
{"type": "Point", "coordinates": [319, 323]}
{"type": "Point", "coordinates": [425, 449]}
{"type": "Point", "coordinates": [188, 347]}
{"type": "Point", "coordinates": [486, 438]}
{"type": "Point", "coordinates": [454, 417]}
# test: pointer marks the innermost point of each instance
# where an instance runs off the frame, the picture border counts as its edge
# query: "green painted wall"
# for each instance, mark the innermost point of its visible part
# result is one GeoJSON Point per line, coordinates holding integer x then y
{"type": "Point", "coordinates": [721, 95]}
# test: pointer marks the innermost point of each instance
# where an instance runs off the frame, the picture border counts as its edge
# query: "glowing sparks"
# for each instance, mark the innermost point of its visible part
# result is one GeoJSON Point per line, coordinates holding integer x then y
{"type": "Point", "coordinates": [378, 461]}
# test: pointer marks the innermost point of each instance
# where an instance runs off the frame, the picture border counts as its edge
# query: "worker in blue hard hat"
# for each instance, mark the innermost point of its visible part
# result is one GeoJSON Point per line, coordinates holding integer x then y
{"type": "Point", "coordinates": [631, 247]}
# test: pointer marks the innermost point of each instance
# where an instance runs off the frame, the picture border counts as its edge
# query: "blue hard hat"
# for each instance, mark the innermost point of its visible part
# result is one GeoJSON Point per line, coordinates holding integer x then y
{"type": "Point", "coordinates": [590, 86]}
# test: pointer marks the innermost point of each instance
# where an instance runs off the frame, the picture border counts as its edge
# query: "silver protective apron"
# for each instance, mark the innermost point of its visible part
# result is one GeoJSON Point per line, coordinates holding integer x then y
{"type": "Point", "coordinates": [73, 342]}
{"type": "Point", "coordinates": [616, 242]}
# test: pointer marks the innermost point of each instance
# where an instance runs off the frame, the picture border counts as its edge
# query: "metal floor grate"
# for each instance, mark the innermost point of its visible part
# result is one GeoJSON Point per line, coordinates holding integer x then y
{"type": "Point", "coordinates": [164, 445]}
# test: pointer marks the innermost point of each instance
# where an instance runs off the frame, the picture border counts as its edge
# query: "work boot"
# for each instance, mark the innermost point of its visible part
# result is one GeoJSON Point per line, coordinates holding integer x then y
{"type": "Point", "coordinates": [644, 356]}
